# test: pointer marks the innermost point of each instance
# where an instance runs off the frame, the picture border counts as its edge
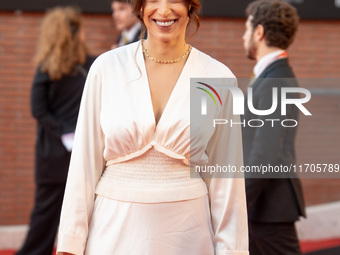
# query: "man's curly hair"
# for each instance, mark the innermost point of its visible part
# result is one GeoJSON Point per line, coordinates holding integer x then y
{"type": "Point", "coordinates": [279, 20]}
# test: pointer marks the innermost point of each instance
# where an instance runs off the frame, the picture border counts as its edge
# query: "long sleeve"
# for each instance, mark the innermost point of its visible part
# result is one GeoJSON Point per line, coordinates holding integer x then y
{"type": "Point", "coordinates": [40, 106]}
{"type": "Point", "coordinates": [268, 146]}
{"type": "Point", "coordinates": [86, 167]}
{"type": "Point", "coordinates": [227, 193]}
{"type": "Point", "coordinates": [264, 150]}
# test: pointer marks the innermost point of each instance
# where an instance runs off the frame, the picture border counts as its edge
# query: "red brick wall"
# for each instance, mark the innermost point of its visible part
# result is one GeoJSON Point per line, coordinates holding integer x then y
{"type": "Point", "coordinates": [315, 53]}
{"type": "Point", "coordinates": [18, 39]}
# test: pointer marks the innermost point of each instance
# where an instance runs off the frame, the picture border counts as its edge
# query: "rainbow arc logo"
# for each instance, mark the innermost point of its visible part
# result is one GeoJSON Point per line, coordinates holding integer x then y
{"type": "Point", "coordinates": [209, 93]}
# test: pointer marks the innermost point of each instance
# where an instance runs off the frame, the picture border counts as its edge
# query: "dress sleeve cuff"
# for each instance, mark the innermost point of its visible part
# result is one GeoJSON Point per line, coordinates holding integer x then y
{"type": "Point", "coordinates": [71, 244]}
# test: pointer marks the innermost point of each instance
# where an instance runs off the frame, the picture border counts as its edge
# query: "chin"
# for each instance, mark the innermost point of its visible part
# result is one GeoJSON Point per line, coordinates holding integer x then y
{"type": "Point", "coordinates": [251, 53]}
{"type": "Point", "coordinates": [164, 37]}
{"type": "Point", "coordinates": [119, 27]}
{"type": "Point", "coordinates": [250, 56]}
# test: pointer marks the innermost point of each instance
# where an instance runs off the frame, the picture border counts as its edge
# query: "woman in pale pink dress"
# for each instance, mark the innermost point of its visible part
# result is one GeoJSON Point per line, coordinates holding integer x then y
{"type": "Point", "coordinates": [129, 189]}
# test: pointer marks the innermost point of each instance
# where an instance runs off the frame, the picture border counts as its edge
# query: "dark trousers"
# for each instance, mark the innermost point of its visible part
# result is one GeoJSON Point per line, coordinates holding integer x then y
{"type": "Point", "coordinates": [267, 238]}
{"type": "Point", "coordinates": [44, 220]}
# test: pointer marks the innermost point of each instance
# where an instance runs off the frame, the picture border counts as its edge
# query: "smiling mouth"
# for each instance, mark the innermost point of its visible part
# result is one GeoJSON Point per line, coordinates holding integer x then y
{"type": "Point", "coordinates": [165, 23]}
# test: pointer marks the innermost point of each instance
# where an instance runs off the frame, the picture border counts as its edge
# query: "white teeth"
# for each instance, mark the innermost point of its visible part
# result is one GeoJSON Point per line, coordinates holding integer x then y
{"type": "Point", "coordinates": [165, 24]}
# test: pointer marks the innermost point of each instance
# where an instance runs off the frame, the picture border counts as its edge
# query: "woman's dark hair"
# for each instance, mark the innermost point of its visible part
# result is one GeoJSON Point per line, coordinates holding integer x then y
{"type": "Point", "coordinates": [194, 11]}
{"type": "Point", "coordinates": [279, 19]}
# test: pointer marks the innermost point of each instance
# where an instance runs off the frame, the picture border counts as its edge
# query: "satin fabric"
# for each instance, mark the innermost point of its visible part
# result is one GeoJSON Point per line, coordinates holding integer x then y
{"type": "Point", "coordinates": [116, 123]}
{"type": "Point", "coordinates": [174, 228]}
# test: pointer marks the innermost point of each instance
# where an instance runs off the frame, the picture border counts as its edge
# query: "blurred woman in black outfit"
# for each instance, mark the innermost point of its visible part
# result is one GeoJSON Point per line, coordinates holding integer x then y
{"type": "Point", "coordinates": [63, 61]}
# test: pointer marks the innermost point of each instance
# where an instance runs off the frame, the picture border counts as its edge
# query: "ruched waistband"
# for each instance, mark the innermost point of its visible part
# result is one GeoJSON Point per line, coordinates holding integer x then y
{"type": "Point", "coordinates": [150, 178]}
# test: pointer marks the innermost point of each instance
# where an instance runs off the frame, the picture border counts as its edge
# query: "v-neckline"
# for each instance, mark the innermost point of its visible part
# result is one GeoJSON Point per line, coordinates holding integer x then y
{"type": "Point", "coordinates": [180, 77]}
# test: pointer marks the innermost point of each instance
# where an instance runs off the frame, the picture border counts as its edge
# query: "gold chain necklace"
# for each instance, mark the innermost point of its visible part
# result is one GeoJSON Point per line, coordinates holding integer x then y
{"type": "Point", "coordinates": [145, 51]}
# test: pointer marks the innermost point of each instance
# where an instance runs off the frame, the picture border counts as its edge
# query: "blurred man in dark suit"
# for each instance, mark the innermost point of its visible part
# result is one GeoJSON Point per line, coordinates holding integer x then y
{"type": "Point", "coordinates": [274, 202]}
{"type": "Point", "coordinates": [125, 22]}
